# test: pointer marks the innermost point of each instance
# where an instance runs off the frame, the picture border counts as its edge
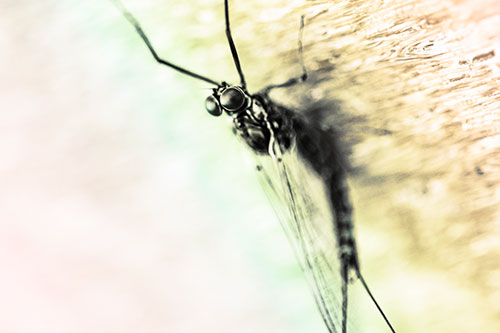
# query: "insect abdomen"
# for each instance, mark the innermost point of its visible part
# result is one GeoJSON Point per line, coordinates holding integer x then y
{"type": "Point", "coordinates": [319, 149]}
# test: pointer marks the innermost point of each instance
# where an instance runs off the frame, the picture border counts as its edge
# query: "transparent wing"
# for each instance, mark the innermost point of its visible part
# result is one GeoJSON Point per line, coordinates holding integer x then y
{"type": "Point", "coordinates": [306, 217]}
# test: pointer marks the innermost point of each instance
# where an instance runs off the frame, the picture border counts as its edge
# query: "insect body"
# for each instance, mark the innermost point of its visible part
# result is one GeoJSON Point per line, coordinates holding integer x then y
{"type": "Point", "coordinates": [275, 131]}
{"type": "Point", "coordinates": [269, 128]}
{"type": "Point", "coordinates": [264, 126]}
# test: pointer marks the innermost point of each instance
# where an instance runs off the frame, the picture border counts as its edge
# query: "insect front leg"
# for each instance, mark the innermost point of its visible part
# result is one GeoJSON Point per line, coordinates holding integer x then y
{"type": "Point", "coordinates": [303, 77]}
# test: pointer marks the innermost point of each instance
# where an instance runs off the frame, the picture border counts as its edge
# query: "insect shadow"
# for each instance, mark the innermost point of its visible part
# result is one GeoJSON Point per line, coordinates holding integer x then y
{"type": "Point", "coordinates": [273, 130]}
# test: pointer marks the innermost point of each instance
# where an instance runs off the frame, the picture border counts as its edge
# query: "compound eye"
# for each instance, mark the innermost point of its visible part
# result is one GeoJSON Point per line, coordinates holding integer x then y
{"type": "Point", "coordinates": [232, 99]}
{"type": "Point", "coordinates": [212, 106]}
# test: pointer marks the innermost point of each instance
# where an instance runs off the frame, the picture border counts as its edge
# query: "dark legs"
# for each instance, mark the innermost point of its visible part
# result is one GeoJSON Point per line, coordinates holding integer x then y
{"type": "Point", "coordinates": [303, 77]}
{"type": "Point", "coordinates": [301, 51]}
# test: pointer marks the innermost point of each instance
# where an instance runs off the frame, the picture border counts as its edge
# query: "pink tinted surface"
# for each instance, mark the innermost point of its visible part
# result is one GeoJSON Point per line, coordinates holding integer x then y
{"type": "Point", "coordinates": [101, 226]}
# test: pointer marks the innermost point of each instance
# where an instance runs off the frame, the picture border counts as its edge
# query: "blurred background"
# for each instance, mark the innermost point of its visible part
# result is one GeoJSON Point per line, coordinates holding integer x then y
{"type": "Point", "coordinates": [124, 207]}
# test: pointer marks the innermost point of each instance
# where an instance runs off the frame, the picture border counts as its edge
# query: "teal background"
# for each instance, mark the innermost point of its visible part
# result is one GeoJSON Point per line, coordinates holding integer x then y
{"type": "Point", "coordinates": [125, 206]}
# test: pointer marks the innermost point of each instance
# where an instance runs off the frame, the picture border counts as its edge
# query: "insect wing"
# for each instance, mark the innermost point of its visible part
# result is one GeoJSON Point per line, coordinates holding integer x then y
{"type": "Point", "coordinates": [299, 199]}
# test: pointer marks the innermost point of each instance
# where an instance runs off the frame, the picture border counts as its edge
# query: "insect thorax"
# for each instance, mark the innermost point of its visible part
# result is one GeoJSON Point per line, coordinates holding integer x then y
{"type": "Point", "coordinates": [264, 123]}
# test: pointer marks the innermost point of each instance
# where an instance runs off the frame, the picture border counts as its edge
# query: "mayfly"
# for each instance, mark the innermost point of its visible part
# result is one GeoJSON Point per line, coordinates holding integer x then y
{"type": "Point", "coordinates": [326, 250]}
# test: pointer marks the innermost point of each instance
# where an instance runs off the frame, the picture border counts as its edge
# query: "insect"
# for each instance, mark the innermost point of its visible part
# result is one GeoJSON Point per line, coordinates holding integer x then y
{"type": "Point", "coordinates": [294, 146]}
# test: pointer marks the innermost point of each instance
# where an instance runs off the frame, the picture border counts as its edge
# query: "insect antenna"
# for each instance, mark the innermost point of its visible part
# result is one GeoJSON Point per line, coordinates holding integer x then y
{"type": "Point", "coordinates": [132, 20]}
{"type": "Point", "coordinates": [236, 59]}
{"type": "Point", "coordinates": [374, 301]}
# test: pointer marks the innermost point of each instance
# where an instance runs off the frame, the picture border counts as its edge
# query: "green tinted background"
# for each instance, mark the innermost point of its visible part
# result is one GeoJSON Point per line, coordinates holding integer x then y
{"type": "Point", "coordinates": [125, 206]}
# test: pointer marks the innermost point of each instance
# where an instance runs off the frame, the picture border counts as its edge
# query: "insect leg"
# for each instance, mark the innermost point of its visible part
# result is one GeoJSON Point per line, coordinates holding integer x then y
{"type": "Point", "coordinates": [303, 77]}
{"type": "Point", "coordinates": [301, 50]}
{"type": "Point", "coordinates": [133, 21]}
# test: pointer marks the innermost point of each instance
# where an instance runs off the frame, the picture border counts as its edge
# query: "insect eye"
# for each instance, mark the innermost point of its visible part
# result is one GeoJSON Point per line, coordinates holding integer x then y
{"type": "Point", "coordinates": [232, 99]}
{"type": "Point", "coordinates": [212, 106]}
